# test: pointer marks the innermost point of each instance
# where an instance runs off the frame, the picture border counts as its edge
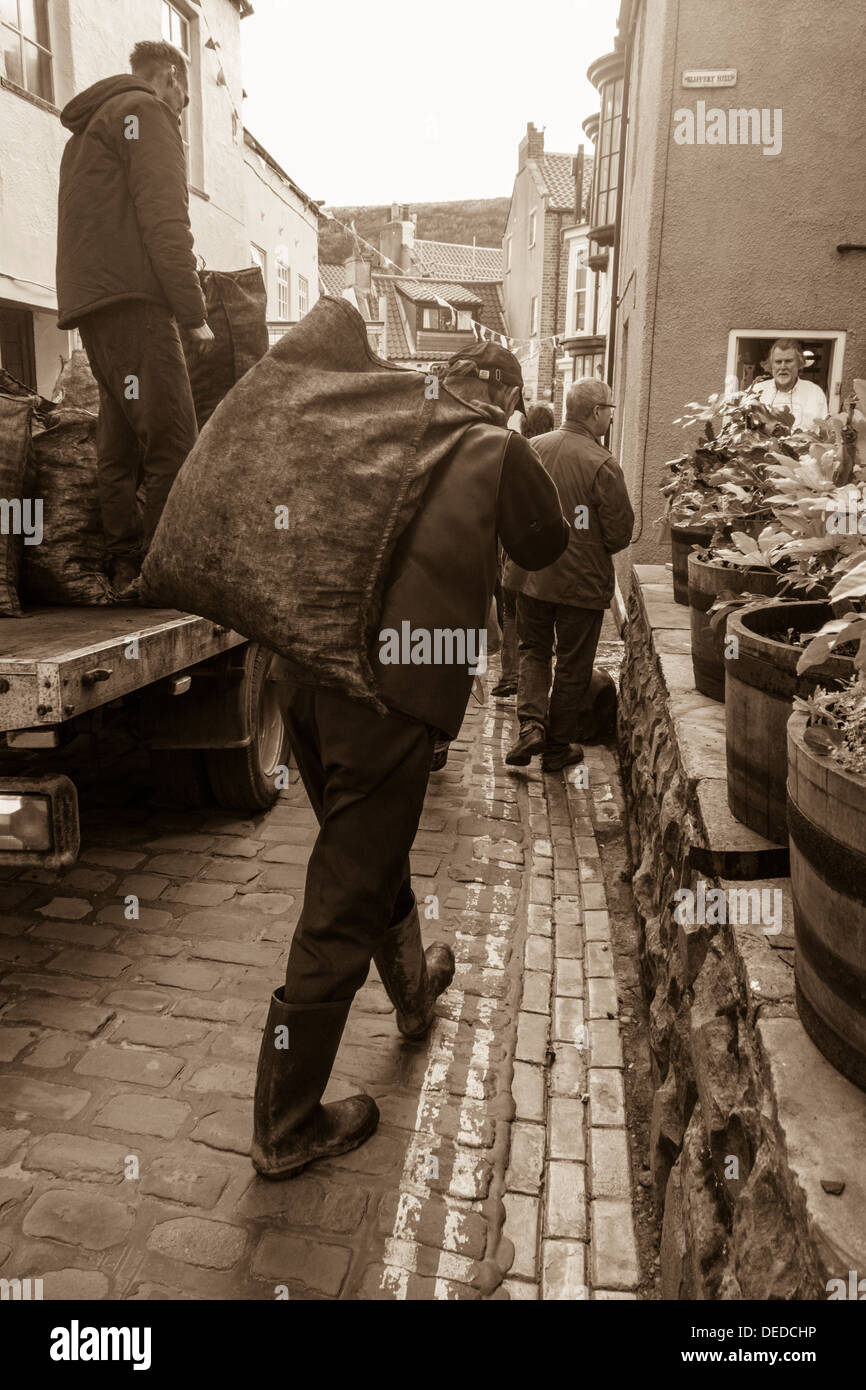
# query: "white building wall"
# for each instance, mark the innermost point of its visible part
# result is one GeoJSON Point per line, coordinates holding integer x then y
{"type": "Point", "coordinates": [92, 39]}
{"type": "Point", "coordinates": [284, 226]}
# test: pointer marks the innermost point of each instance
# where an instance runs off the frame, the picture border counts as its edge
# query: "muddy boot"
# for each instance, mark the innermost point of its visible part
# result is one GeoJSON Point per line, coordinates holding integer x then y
{"type": "Point", "coordinates": [290, 1127]}
{"type": "Point", "coordinates": [413, 978]}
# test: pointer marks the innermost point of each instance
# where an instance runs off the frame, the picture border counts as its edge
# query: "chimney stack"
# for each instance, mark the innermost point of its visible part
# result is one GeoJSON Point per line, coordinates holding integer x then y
{"type": "Point", "coordinates": [531, 146]}
{"type": "Point", "coordinates": [397, 238]}
{"type": "Point", "coordinates": [357, 272]}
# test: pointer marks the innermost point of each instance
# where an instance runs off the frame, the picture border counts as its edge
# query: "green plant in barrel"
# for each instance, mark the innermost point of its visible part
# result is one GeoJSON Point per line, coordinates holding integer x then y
{"type": "Point", "coordinates": [722, 480]}
{"type": "Point", "coordinates": [837, 719]}
{"type": "Point", "coordinates": [817, 504]}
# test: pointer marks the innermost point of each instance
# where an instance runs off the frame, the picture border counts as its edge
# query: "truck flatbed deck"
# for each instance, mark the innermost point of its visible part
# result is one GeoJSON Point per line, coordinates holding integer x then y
{"type": "Point", "coordinates": [58, 663]}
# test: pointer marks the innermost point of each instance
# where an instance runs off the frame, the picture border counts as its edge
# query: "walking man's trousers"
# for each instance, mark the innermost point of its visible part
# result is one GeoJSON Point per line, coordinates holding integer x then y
{"type": "Point", "coordinates": [366, 777]}
{"type": "Point", "coordinates": [147, 422]}
{"type": "Point", "coordinates": [575, 633]}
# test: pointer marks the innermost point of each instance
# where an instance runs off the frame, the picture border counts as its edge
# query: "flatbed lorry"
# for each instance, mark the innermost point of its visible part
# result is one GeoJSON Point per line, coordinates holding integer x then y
{"type": "Point", "coordinates": [203, 698]}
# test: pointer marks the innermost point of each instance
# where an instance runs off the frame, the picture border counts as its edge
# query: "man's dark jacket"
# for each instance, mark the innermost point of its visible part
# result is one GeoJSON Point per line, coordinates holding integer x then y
{"type": "Point", "coordinates": [587, 477]}
{"type": "Point", "coordinates": [445, 566]}
{"type": "Point", "coordinates": [123, 219]}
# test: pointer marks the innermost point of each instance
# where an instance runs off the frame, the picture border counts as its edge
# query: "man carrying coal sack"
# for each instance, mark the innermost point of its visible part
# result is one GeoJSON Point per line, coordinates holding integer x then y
{"type": "Point", "coordinates": [366, 775]}
{"type": "Point", "coordinates": [127, 280]}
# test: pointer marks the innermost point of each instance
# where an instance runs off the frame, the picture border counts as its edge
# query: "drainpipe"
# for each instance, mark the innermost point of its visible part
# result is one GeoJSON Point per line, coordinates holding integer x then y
{"type": "Point", "coordinates": [614, 274]}
{"type": "Point", "coordinates": [559, 218]}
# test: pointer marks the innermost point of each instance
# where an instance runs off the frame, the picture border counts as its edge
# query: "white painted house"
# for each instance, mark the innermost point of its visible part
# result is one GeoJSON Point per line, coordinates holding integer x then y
{"type": "Point", "coordinates": [52, 49]}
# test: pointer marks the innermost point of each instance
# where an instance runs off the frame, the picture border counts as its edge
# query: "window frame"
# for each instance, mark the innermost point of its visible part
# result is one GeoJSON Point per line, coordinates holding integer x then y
{"type": "Point", "coordinates": [192, 118]}
{"type": "Point", "coordinates": [440, 326]}
{"type": "Point", "coordinates": [284, 288]}
{"type": "Point", "coordinates": [607, 152]}
{"type": "Point", "coordinates": [46, 51]}
{"type": "Point", "coordinates": [303, 296]}
{"type": "Point", "coordinates": [263, 263]}
{"type": "Point", "coordinates": [835, 338]}
{"type": "Point", "coordinates": [533, 228]}
{"type": "Point", "coordinates": [171, 11]}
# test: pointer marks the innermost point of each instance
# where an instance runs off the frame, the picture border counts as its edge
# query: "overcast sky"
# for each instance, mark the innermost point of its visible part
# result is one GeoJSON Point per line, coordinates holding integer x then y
{"type": "Point", "coordinates": [382, 102]}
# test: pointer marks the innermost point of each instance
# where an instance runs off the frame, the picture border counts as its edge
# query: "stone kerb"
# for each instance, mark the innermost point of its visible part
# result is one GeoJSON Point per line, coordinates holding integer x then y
{"type": "Point", "coordinates": [750, 1124]}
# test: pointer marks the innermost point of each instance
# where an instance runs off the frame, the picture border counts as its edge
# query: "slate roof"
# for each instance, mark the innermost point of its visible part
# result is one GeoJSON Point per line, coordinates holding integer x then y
{"type": "Point", "coordinates": [395, 333]}
{"type": "Point", "coordinates": [426, 292]}
{"type": "Point", "coordinates": [456, 262]}
{"type": "Point", "coordinates": [553, 174]}
{"type": "Point", "coordinates": [482, 297]}
{"type": "Point", "coordinates": [333, 277]}
{"type": "Point", "coordinates": [492, 311]}
{"type": "Point", "coordinates": [258, 148]}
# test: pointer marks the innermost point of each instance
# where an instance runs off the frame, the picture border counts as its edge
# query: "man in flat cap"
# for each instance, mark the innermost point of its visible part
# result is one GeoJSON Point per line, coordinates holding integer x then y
{"type": "Point", "coordinates": [561, 608]}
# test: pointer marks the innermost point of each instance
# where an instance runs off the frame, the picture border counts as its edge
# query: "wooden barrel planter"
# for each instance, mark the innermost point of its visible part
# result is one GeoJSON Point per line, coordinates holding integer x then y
{"type": "Point", "coordinates": [708, 579]}
{"type": "Point", "coordinates": [760, 686]}
{"type": "Point", "coordinates": [827, 828]}
{"type": "Point", "coordinates": [685, 539]}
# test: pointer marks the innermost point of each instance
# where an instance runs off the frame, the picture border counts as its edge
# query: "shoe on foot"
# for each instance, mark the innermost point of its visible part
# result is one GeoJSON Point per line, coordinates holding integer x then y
{"type": "Point", "coordinates": [505, 688]}
{"type": "Point", "coordinates": [413, 978]}
{"type": "Point", "coordinates": [531, 741]}
{"type": "Point", "coordinates": [291, 1127]}
{"type": "Point", "coordinates": [558, 756]}
{"type": "Point", "coordinates": [440, 754]}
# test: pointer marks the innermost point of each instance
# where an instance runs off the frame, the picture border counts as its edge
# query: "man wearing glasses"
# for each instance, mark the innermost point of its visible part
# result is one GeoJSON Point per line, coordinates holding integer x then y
{"type": "Point", "coordinates": [562, 607]}
{"type": "Point", "coordinates": [127, 280]}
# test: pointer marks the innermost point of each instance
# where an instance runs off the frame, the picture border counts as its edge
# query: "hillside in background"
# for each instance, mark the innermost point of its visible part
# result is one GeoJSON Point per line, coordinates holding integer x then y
{"type": "Point", "coordinates": [481, 218]}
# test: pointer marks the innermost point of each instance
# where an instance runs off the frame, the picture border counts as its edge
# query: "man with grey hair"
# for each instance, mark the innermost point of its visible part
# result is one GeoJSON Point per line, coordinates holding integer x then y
{"type": "Point", "coordinates": [563, 605]}
{"type": "Point", "coordinates": [127, 280]}
{"type": "Point", "coordinates": [786, 388]}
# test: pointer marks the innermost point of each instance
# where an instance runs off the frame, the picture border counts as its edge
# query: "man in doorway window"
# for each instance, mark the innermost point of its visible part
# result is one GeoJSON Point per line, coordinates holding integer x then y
{"type": "Point", "coordinates": [127, 280]}
{"type": "Point", "coordinates": [786, 388]}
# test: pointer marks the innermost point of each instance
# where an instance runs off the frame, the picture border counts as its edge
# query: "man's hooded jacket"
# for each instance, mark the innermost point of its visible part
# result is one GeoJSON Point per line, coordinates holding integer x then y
{"type": "Point", "coordinates": [123, 219]}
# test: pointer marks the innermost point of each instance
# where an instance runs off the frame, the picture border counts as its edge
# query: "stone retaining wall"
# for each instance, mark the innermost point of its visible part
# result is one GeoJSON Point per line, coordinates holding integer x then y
{"type": "Point", "coordinates": [750, 1124]}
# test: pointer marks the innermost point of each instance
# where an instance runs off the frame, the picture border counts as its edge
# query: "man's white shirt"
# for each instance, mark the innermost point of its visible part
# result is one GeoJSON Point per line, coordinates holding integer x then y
{"type": "Point", "coordinates": [807, 401]}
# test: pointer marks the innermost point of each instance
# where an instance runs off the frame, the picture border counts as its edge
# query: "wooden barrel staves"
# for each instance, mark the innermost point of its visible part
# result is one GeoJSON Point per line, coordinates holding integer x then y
{"type": "Point", "coordinates": [684, 539]}
{"type": "Point", "coordinates": [827, 829]}
{"type": "Point", "coordinates": [708, 579]}
{"type": "Point", "coordinates": [760, 684]}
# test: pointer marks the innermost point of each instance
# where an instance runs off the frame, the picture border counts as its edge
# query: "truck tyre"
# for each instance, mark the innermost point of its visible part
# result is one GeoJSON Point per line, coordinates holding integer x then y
{"type": "Point", "coordinates": [245, 779]}
{"type": "Point", "coordinates": [181, 777]}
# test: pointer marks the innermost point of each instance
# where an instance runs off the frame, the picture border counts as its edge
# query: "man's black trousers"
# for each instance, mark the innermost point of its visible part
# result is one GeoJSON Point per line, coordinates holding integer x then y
{"type": "Point", "coordinates": [147, 422]}
{"type": "Point", "coordinates": [366, 777]}
{"type": "Point", "coordinates": [574, 632]}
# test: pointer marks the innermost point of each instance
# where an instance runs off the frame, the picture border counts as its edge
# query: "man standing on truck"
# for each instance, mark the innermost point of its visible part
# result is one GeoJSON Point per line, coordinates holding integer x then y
{"type": "Point", "coordinates": [126, 279]}
{"type": "Point", "coordinates": [366, 774]}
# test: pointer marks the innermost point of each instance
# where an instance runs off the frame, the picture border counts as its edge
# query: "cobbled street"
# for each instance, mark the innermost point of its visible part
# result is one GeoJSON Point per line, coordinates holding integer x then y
{"type": "Point", "coordinates": [134, 991]}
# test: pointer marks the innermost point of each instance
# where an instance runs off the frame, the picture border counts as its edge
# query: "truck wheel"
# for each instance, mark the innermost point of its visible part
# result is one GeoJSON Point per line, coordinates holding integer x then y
{"type": "Point", "coordinates": [180, 776]}
{"type": "Point", "coordinates": [244, 779]}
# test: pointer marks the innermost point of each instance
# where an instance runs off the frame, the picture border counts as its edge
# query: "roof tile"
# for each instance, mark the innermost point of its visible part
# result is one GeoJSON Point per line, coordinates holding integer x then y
{"type": "Point", "coordinates": [462, 263]}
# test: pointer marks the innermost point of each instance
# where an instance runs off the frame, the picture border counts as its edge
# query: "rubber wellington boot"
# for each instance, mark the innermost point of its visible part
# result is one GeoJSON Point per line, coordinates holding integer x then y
{"type": "Point", "coordinates": [413, 978]}
{"type": "Point", "coordinates": [290, 1126]}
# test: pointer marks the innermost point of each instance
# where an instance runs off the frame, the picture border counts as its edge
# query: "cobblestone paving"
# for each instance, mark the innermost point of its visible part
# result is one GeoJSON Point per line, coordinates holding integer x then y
{"type": "Point", "coordinates": [133, 992]}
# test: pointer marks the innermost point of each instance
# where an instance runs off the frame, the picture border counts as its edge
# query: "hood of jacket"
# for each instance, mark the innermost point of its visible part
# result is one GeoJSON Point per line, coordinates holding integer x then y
{"type": "Point", "coordinates": [78, 112]}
